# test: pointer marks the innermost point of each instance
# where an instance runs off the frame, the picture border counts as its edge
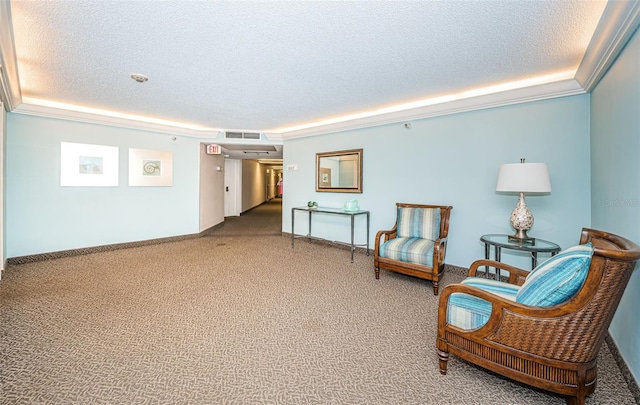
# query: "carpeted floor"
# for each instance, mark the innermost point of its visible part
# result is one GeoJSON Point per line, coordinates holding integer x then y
{"type": "Point", "coordinates": [237, 317]}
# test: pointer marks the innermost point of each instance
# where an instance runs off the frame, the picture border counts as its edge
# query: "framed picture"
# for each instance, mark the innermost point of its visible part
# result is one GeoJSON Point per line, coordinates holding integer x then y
{"type": "Point", "coordinates": [325, 177]}
{"type": "Point", "coordinates": [88, 165]}
{"type": "Point", "coordinates": [150, 168]}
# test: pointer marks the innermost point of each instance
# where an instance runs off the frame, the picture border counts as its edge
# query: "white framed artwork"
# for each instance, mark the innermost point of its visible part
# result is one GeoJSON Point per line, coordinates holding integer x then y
{"type": "Point", "coordinates": [150, 168]}
{"type": "Point", "coordinates": [88, 165]}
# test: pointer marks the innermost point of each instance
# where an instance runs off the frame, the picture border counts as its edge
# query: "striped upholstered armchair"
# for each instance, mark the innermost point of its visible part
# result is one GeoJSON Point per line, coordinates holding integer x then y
{"type": "Point", "coordinates": [417, 244]}
{"type": "Point", "coordinates": [545, 327]}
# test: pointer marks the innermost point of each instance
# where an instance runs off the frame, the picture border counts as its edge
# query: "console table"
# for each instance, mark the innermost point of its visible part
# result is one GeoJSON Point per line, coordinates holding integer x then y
{"type": "Point", "coordinates": [331, 211]}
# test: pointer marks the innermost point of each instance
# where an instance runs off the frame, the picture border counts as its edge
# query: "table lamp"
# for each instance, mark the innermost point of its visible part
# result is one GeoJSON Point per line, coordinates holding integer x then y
{"type": "Point", "coordinates": [523, 178]}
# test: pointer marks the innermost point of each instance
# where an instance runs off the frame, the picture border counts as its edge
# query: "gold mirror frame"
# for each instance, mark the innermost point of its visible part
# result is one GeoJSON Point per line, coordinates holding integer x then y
{"type": "Point", "coordinates": [339, 172]}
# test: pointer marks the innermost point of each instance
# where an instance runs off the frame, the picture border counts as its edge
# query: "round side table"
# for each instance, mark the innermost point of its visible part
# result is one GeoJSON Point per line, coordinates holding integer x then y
{"type": "Point", "coordinates": [500, 241]}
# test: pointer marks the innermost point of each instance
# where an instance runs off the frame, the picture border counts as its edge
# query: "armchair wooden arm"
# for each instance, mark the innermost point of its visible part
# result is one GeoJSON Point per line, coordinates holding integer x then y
{"type": "Point", "coordinates": [383, 236]}
{"type": "Point", "coordinates": [516, 275]}
{"type": "Point", "coordinates": [439, 251]}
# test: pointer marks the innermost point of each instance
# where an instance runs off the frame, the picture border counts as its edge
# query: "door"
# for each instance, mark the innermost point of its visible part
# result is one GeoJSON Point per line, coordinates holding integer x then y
{"type": "Point", "coordinates": [232, 187]}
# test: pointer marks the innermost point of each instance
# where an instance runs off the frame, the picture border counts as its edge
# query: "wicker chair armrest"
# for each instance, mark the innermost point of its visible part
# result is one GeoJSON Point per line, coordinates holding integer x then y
{"type": "Point", "coordinates": [500, 306]}
{"type": "Point", "coordinates": [516, 274]}
{"type": "Point", "coordinates": [476, 292]}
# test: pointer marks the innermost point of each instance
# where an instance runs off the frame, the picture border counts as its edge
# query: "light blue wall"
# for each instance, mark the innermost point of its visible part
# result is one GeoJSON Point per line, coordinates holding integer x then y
{"type": "Point", "coordinates": [615, 174]}
{"type": "Point", "coordinates": [42, 216]}
{"type": "Point", "coordinates": [3, 211]}
{"type": "Point", "coordinates": [454, 160]}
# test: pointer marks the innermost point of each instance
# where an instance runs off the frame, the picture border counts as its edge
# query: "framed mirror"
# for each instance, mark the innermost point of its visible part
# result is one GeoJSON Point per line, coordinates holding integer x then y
{"type": "Point", "coordinates": [339, 172]}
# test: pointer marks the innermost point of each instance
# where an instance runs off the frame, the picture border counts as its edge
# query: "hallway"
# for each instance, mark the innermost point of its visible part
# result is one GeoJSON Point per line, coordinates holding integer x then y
{"type": "Point", "coordinates": [265, 219]}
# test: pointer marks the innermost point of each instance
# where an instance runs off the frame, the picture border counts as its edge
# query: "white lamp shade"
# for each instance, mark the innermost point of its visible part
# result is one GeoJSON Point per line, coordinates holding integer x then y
{"type": "Point", "coordinates": [524, 178]}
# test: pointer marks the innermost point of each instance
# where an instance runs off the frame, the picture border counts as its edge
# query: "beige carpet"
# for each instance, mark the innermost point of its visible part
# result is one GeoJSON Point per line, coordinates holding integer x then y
{"type": "Point", "coordinates": [237, 318]}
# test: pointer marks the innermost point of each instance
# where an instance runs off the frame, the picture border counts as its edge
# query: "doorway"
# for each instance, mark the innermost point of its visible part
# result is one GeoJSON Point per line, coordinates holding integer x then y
{"type": "Point", "coordinates": [232, 187]}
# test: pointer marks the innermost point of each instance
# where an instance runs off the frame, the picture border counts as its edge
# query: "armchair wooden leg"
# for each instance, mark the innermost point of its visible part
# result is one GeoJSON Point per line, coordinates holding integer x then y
{"type": "Point", "coordinates": [436, 285]}
{"type": "Point", "coordinates": [377, 269]}
{"type": "Point", "coordinates": [579, 400]}
{"type": "Point", "coordinates": [443, 357]}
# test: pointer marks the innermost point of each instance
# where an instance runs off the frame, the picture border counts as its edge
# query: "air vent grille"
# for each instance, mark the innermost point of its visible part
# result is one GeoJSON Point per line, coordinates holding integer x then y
{"type": "Point", "coordinates": [242, 135]}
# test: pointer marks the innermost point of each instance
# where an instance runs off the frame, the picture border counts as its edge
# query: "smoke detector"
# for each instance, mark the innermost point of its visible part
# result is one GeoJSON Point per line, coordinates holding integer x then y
{"type": "Point", "coordinates": [139, 78]}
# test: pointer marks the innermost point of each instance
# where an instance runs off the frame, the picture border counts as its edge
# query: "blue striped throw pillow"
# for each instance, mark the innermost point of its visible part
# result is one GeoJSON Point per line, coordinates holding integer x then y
{"type": "Point", "coordinates": [558, 278]}
{"type": "Point", "coordinates": [418, 223]}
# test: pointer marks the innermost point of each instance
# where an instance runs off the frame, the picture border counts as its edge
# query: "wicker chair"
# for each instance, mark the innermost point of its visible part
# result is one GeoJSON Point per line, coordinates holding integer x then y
{"type": "Point", "coordinates": [417, 244]}
{"type": "Point", "coordinates": [554, 348]}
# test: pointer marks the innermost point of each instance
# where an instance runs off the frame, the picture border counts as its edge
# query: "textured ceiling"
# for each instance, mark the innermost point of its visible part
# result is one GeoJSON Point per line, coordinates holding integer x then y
{"type": "Point", "coordinates": [265, 65]}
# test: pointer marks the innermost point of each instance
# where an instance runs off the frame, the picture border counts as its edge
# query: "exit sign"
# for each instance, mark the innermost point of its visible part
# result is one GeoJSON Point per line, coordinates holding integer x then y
{"type": "Point", "coordinates": [214, 149]}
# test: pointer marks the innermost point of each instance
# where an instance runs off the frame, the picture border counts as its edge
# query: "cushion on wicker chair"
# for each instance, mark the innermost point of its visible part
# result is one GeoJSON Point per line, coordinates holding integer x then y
{"type": "Point", "coordinates": [552, 282]}
{"type": "Point", "coordinates": [558, 278]}
{"type": "Point", "coordinates": [411, 250]}
{"type": "Point", "coordinates": [418, 223]}
{"type": "Point", "coordinates": [469, 312]}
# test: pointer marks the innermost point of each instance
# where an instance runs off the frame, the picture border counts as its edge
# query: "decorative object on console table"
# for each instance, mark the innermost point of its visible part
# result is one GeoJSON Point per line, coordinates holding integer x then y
{"type": "Point", "coordinates": [523, 178]}
{"type": "Point", "coordinates": [351, 206]}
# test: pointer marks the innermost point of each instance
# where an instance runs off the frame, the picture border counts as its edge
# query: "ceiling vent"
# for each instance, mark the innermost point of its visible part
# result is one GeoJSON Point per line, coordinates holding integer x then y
{"type": "Point", "coordinates": [242, 135]}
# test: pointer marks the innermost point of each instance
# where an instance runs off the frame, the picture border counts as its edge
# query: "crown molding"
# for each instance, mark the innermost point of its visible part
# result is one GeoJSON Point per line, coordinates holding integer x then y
{"type": "Point", "coordinates": [619, 21]}
{"type": "Point", "coordinates": [78, 116]}
{"type": "Point", "coordinates": [131, 123]}
{"type": "Point", "coordinates": [9, 80]}
{"type": "Point", "coordinates": [562, 88]}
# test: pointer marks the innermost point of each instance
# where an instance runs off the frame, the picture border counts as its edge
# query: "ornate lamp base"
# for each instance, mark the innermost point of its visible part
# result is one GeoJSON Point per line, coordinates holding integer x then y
{"type": "Point", "coordinates": [522, 221]}
{"type": "Point", "coordinates": [522, 238]}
